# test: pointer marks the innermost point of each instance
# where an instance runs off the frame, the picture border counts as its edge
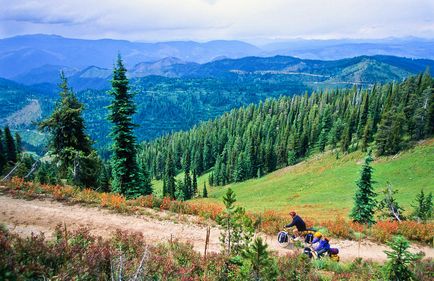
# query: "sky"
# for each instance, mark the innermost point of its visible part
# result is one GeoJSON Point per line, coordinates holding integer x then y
{"type": "Point", "coordinates": [255, 21]}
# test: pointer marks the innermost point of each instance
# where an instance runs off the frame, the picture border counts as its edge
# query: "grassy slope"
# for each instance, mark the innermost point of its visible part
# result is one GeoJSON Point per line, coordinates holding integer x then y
{"type": "Point", "coordinates": [324, 187]}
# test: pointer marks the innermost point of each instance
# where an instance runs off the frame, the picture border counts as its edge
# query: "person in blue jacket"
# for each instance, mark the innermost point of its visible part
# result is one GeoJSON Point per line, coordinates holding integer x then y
{"type": "Point", "coordinates": [323, 246]}
{"type": "Point", "coordinates": [298, 222]}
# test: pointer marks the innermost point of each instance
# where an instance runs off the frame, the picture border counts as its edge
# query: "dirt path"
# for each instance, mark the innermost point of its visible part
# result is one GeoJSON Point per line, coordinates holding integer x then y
{"type": "Point", "coordinates": [24, 217]}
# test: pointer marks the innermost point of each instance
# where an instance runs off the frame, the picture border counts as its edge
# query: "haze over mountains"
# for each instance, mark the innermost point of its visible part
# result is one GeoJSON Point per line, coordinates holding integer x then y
{"type": "Point", "coordinates": [21, 54]}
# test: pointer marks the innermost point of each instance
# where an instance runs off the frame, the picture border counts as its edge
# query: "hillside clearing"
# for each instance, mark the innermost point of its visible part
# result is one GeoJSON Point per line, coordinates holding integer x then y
{"type": "Point", "coordinates": [323, 187]}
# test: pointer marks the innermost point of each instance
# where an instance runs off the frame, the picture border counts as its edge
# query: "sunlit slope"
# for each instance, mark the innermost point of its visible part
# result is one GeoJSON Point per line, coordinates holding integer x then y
{"type": "Point", "coordinates": [324, 186]}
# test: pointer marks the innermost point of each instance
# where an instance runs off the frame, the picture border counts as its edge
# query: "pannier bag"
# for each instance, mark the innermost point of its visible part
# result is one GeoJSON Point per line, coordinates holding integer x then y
{"type": "Point", "coordinates": [335, 258]}
{"type": "Point", "coordinates": [282, 237]}
{"type": "Point", "coordinates": [334, 251]}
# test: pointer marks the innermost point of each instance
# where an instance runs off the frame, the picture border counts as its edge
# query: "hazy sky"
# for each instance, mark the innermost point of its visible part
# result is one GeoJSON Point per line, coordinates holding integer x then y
{"type": "Point", "coordinates": [250, 20]}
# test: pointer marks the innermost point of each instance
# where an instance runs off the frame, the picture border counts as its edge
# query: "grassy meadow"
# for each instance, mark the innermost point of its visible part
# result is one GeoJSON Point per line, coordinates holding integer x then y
{"type": "Point", "coordinates": [323, 187]}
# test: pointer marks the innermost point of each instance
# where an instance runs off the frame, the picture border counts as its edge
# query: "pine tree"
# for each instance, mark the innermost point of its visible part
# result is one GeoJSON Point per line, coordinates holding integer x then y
{"type": "Point", "coordinates": [169, 176]}
{"type": "Point", "coordinates": [322, 141]}
{"type": "Point", "coordinates": [205, 191]}
{"type": "Point", "coordinates": [104, 179]}
{"type": "Point", "coordinates": [11, 152]}
{"type": "Point", "coordinates": [187, 186]}
{"type": "Point", "coordinates": [260, 266]}
{"type": "Point", "coordinates": [18, 143]}
{"type": "Point", "coordinates": [400, 260]}
{"type": "Point", "coordinates": [423, 208]}
{"type": "Point", "coordinates": [364, 200]}
{"type": "Point", "coordinates": [237, 227]}
{"type": "Point", "coordinates": [71, 147]}
{"type": "Point", "coordinates": [367, 135]}
{"type": "Point", "coordinates": [125, 170]}
{"type": "Point", "coordinates": [194, 184]}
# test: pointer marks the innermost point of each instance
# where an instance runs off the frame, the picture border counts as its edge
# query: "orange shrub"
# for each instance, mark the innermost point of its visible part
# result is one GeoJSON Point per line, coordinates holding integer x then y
{"type": "Point", "coordinates": [143, 201]}
{"type": "Point", "coordinates": [88, 195]}
{"type": "Point", "coordinates": [17, 182]}
{"type": "Point", "coordinates": [113, 201]}
{"type": "Point", "coordinates": [270, 222]}
{"type": "Point", "coordinates": [165, 203]}
{"type": "Point", "coordinates": [423, 232]}
{"type": "Point", "coordinates": [339, 227]}
{"type": "Point", "coordinates": [357, 226]}
{"type": "Point", "coordinates": [205, 209]}
{"type": "Point", "coordinates": [383, 231]}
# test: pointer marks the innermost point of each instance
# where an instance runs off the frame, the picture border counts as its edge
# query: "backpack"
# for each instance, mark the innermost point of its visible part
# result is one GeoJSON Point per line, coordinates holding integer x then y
{"type": "Point", "coordinates": [282, 237]}
{"type": "Point", "coordinates": [309, 238]}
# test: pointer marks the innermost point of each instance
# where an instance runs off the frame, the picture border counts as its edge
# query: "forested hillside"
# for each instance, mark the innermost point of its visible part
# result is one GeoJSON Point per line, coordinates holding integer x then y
{"type": "Point", "coordinates": [202, 92]}
{"type": "Point", "coordinates": [257, 139]}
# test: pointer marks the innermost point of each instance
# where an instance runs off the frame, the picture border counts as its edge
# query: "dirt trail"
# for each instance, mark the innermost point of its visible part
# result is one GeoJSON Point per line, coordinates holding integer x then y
{"type": "Point", "coordinates": [24, 217]}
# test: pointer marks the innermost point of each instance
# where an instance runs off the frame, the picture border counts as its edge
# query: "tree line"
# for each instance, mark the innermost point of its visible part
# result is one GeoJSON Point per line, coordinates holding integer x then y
{"type": "Point", "coordinates": [258, 139]}
{"type": "Point", "coordinates": [10, 149]}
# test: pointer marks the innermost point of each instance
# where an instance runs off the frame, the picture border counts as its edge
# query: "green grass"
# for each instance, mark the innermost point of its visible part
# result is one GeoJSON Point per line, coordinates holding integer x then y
{"type": "Point", "coordinates": [323, 187]}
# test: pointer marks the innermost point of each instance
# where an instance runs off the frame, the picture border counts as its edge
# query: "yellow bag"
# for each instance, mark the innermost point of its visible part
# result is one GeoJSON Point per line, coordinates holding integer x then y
{"type": "Point", "coordinates": [335, 258]}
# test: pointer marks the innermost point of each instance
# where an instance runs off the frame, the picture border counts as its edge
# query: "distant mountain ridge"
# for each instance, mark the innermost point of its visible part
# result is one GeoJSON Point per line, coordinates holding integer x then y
{"type": "Point", "coordinates": [357, 70]}
{"type": "Point", "coordinates": [21, 53]}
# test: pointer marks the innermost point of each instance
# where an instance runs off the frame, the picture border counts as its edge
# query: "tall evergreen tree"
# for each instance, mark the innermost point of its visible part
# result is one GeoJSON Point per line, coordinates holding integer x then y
{"type": "Point", "coordinates": [18, 143]}
{"type": "Point", "coordinates": [169, 177]}
{"type": "Point", "coordinates": [187, 187]}
{"type": "Point", "coordinates": [205, 191]}
{"type": "Point", "coordinates": [11, 152]}
{"type": "Point", "coordinates": [69, 143]}
{"type": "Point", "coordinates": [194, 184]}
{"type": "Point", "coordinates": [364, 200]}
{"type": "Point", "coordinates": [125, 170]}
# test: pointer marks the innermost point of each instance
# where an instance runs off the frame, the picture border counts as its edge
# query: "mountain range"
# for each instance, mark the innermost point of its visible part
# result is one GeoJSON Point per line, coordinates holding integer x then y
{"type": "Point", "coordinates": [22, 54]}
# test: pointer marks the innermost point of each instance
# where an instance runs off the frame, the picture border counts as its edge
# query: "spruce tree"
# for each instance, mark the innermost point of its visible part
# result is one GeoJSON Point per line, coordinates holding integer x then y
{"type": "Point", "coordinates": [169, 177]}
{"type": "Point", "coordinates": [398, 267]}
{"type": "Point", "coordinates": [423, 208]}
{"type": "Point", "coordinates": [18, 143]}
{"type": "Point", "coordinates": [364, 200]}
{"type": "Point", "coordinates": [11, 152]}
{"type": "Point", "coordinates": [194, 184]}
{"type": "Point", "coordinates": [205, 191]}
{"type": "Point", "coordinates": [261, 266]}
{"type": "Point", "coordinates": [69, 143]}
{"type": "Point", "coordinates": [125, 169]}
{"type": "Point", "coordinates": [187, 187]}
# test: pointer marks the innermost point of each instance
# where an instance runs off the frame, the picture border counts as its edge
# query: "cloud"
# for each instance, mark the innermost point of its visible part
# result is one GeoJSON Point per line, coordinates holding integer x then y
{"type": "Point", "coordinates": [252, 20]}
